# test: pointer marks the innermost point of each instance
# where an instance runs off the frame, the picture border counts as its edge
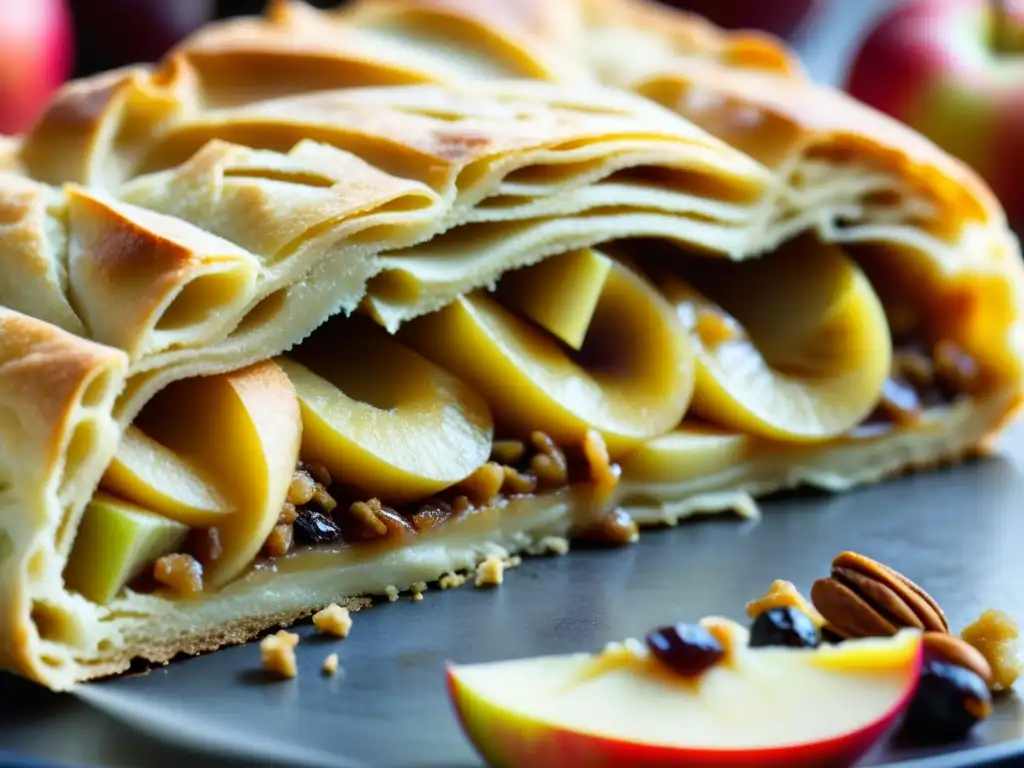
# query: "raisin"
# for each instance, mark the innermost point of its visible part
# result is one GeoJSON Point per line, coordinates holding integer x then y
{"type": "Point", "coordinates": [949, 701]}
{"type": "Point", "coordinates": [687, 649]}
{"type": "Point", "coordinates": [313, 527]}
{"type": "Point", "coordinates": [784, 626]}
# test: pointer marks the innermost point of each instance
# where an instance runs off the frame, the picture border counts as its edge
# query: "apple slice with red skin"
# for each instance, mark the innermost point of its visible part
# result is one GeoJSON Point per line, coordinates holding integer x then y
{"type": "Point", "coordinates": [781, 707]}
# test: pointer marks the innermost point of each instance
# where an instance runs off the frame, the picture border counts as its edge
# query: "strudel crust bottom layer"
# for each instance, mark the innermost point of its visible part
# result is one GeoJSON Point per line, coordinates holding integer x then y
{"type": "Point", "coordinates": [282, 592]}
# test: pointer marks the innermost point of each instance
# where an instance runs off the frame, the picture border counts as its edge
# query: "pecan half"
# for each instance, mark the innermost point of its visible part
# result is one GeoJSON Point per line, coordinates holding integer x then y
{"type": "Point", "coordinates": [863, 598]}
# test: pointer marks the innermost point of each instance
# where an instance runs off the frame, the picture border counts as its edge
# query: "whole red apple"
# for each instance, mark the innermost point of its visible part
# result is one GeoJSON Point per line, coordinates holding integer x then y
{"type": "Point", "coordinates": [780, 17]}
{"type": "Point", "coordinates": [954, 70]}
{"type": "Point", "coordinates": [35, 58]}
{"type": "Point", "coordinates": [113, 33]}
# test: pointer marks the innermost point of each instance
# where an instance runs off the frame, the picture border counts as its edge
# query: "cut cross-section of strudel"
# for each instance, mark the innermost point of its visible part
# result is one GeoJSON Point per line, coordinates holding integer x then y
{"type": "Point", "coordinates": [328, 303]}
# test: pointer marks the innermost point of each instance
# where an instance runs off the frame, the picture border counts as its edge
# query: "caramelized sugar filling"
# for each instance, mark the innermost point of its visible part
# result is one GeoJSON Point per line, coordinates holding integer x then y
{"type": "Point", "coordinates": [618, 351]}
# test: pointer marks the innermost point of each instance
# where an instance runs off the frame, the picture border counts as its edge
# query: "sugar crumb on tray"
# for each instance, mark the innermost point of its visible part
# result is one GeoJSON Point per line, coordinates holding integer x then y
{"type": "Point", "coordinates": [452, 580]}
{"type": "Point", "coordinates": [417, 589]}
{"type": "Point", "coordinates": [330, 665]}
{"type": "Point", "coordinates": [277, 653]}
{"type": "Point", "coordinates": [550, 545]}
{"type": "Point", "coordinates": [333, 620]}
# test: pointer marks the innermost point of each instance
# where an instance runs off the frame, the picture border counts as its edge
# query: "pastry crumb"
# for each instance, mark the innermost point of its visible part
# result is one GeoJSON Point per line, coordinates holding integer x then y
{"type": "Point", "coordinates": [996, 636]}
{"type": "Point", "coordinates": [333, 620]}
{"type": "Point", "coordinates": [330, 665]}
{"type": "Point", "coordinates": [277, 653]}
{"type": "Point", "coordinates": [392, 592]}
{"type": "Point", "coordinates": [491, 572]}
{"type": "Point", "coordinates": [550, 545]}
{"type": "Point", "coordinates": [452, 580]}
{"type": "Point", "coordinates": [417, 589]}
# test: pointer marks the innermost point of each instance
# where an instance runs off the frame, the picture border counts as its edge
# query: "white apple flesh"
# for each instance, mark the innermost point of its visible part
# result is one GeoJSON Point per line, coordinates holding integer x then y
{"type": "Point", "coordinates": [762, 706]}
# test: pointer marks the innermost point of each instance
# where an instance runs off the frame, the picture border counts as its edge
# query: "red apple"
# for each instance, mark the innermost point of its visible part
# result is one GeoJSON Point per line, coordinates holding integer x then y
{"type": "Point", "coordinates": [779, 17]}
{"type": "Point", "coordinates": [35, 58]}
{"type": "Point", "coordinates": [113, 33]}
{"type": "Point", "coordinates": [773, 706]}
{"type": "Point", "coordinates": [954, 70]}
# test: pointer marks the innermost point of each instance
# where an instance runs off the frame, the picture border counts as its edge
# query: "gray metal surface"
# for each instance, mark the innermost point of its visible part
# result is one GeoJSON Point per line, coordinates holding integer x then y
{"type": "Point", "coordinates": [958, 532]}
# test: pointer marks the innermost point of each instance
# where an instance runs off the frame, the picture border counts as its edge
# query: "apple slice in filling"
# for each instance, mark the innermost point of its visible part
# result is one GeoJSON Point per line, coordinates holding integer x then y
{"type": "Point", "coordinates": [381, 417]}
{"type": "Point", "coordinates": [243, 428]}
{"type": "Point", "coordinates": [772, 706]}
{"type": "Point", "coordinates": [793, 346]}
{"type": "Point", "coordinates": [631, 379]}
{"type": "Point", "coordinates": [147, 473]}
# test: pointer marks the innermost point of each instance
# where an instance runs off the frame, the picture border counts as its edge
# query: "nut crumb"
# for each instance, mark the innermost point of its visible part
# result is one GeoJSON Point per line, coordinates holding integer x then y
{"type": "Point", "coordinates": [452, 580]}
{"type": "Point", "coordinates": [279, 542]}
{"type": "Point", "coordinates": [277, 652]}
{"type": "Point", "coordinates": [392, 592]}
{"type": "Point", "coordinates": [784, 594]}
{"type": "Point", "coordinates": [491, 572]}
{"type": "Point", "coordinates": [550, 545]}
{"type": "Point", "coordinates": [331, 664]}
{"type": "Point", "coordinates": [182, 573]}
{"type": "Point", "coordinates": [997, 637]}
{"type": "Point", "coordinates": [333, 620]}
{"type": "Point", "coordinates": [417, 589]}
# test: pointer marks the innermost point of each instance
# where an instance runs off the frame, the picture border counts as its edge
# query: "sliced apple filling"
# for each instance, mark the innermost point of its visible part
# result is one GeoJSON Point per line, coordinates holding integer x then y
{"type": "Point", "coordinates": [661, 367]}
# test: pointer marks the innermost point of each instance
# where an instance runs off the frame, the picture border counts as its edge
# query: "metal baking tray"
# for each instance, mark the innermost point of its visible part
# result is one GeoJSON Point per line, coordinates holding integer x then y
{"type": "Point", "coordinates": [958, 532]}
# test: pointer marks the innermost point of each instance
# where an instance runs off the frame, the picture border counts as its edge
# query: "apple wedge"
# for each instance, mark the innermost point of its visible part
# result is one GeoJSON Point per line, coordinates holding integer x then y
{"type": "Point", "coordinates": [154, 477]}
{"type": "Point", "coordinates": [244, 429]}
{"type": "Point", "coordinates": [560, 294]}
{"type": "Point", "coordinates": [771, 706]}
{"type": "Point", "coordinates": [129, 537]}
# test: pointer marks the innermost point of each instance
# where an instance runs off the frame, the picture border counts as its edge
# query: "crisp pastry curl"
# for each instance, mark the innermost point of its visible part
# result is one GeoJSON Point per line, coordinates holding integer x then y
{"type": "Point", "coordinates": [330, 302]}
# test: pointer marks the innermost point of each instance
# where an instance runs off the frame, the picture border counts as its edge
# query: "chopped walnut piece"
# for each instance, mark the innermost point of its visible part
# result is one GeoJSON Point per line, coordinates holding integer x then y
{"type": "Point", "coordinates": [603, 473]}
{"type": "Point", "coordinates": [517, 482]}
{"type": "Point", "coordinates": [461, 505]}
{"type": "Point", "coordinates": [430, 515]}
{"type": "Point", "coordinates": [288, 514]}
{"type": "Point", "coordinates": [484, 484]}
{"type": "Point", "coordinates": [548, 464]}
{"type": "Point", "coordinates": [899, 402]}
{"type": "Point", "coordinates": [452, 580]}
{"type": "Point", "coordinates": [616, 529]}
{"type": "Point", "coordinates": [277, 652]}
{"type": "Point", "coordinates": [491, 572]}
{"type": "Point", "coordinates": [333, 620]}
{"type": "Point", "coordinates": [319, 472]}
{"type": "Point", "coordinates": [507, 451]}
{"type": "Point", "coordinates": [324, 499]}
{"type": "Point", "coordinates": [550, 545]}
{"type": "Point", "coordinates": [330, 665]}
{"type": "Point", "coordinates": [279, 542]}
{"type": "Point", "coordinates": [997, 637]}
{"type": "Point", "coordinates": [301, 488]}
{"type": "Point", "coordinates": [955, 370]}
{"type": "Point", "coordinates": [392, 593]}
{"type": "Point", "coordinates": [914, 367]}
{"type": "Point", "coordinates": [367, 513]}
{"type": "Point", "coordinates": [182, 573]}
{"type": "Point", "coordinates": [372, 520]}
{"type": "Point", "coordinates": [784, 594]}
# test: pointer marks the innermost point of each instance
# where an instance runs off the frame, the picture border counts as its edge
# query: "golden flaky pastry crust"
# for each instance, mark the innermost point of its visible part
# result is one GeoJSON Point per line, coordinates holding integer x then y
{"type": "Point", "coordinates": [211, 211]}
